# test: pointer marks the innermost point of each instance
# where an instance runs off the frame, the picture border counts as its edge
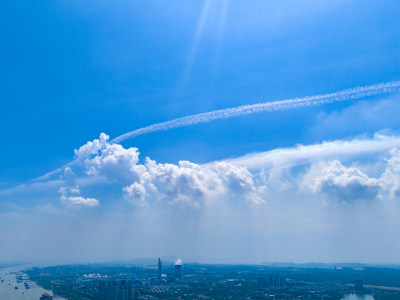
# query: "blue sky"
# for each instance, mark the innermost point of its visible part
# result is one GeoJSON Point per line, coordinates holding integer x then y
{"type": "Point", "coordinates": [72, 70]}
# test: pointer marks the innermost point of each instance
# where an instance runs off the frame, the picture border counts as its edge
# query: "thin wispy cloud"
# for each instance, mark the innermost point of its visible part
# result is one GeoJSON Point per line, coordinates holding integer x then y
{"type": "Point", "coordinates": [343, 95]}
{"type": "Point", "coordinates": [303, 154]}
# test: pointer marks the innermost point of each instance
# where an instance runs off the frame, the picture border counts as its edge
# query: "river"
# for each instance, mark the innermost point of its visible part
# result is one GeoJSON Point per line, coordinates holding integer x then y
{"type": "Point", "coordinates": [357, 297]}
{"type": "Point", "coordinates": [8, 290]}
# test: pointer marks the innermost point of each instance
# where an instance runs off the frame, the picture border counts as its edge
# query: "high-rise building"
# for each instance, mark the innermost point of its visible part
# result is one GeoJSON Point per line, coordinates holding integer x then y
{"type": "Point", "coordinates": [261, 281]}
{"type": "Point", "coordinates": [159, 271]}
{"type": "Point", "coordinates": [116, 290]}
{"type": "Point", "coordinates": [178, 269]}
{"type": "Point", "coordinates": [271, 281]}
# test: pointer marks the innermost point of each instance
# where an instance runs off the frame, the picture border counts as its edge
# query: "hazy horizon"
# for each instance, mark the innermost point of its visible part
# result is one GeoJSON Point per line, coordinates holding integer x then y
{"type": "Point", "coordinates": [152, 261]}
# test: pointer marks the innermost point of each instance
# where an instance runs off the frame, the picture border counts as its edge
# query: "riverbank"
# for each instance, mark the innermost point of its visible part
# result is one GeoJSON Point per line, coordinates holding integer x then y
{"type": "Point", "coordinates": [12, 288]}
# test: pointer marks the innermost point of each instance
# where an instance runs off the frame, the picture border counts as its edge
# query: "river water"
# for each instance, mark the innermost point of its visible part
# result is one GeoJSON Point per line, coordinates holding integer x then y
{"type": "Point", "coordinates": [8, 290]}
{"type": "Point", "coordinates": [357, 297]}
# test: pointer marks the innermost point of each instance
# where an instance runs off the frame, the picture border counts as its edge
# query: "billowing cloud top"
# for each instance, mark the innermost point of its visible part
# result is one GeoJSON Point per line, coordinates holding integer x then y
{"type": "Point", "coordinates": [343, 183]}
{"type": "Point", "coordinates": [187, 183]}
{"type": "Point", "coordinates": [251, 179]}
{"type": "Point", "coordinates": [326, 171]}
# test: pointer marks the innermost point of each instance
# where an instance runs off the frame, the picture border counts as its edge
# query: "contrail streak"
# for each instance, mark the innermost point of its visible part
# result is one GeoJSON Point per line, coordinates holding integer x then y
{"type": "Point", "coordinates": [348, 94]}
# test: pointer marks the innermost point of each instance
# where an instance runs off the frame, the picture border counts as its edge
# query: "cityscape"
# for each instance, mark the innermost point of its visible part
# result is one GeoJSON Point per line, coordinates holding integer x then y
{"type": "Point", "coordinates": [165, 279]}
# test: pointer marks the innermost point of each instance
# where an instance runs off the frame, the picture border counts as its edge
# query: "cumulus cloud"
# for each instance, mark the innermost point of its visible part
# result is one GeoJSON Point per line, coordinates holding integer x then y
{"type": "Point", "coordinates": [91, 148]}
{"type": "Point", "coordinates": [326, 170]}
{"type": "Point", "coordinates": [116, 163]}
{"type": "Point", "coordinates": [78, 200]}
{"type": "Point", "coordinates": [348, 184]}
{"type": "Point", "coordinates": [136, 193]}
{"type": "Point", "coordinates": [190, 184]}
{"type": "Point", "coordinates": [390, 179]}
{"type": "Point", "coordinates": [345, 184]}
{"type": "Point", "coordinates": [70, 192]}
{"type": "Point", "coordinates": [186, 183]}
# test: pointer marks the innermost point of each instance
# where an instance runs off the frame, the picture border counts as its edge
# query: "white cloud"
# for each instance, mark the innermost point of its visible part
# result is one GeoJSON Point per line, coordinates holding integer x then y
{"type": "Point", "coordinates": [344, 184]}
{"type": "Point", "coordinates": [186, 184]}
{"type": "Point", "coordinates": [70, 192]}
{"type": "Point", "coordinates": [243, 179]}
{"type": "Point", "coordinates": [78, 200]}
{"type": "Point", "coordinates": [348, 184]}
{"type": "Point", "coordinates": [136, 193]}
{"type": "Point", "coordinates": [192, 184]}
{"type": "Point", "coordinates": [92, 148]}
{"type": "Point", "coordinates": [390, 179]}
{"type": "Point", "coordinates": [344, 170]}
{"type": "Point", "coordinates": [327, 150]}
{"type": "Point", "coordinates": [116, 163]}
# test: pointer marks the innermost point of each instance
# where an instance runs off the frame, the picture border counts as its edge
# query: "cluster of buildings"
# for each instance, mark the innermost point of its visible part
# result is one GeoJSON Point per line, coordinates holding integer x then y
{"type": "Point", "coordinates": [271, 281]}
{"type": "Point", "coordinates": [117, 290]}
{"type": "Point", "coordinates": [128, 289]}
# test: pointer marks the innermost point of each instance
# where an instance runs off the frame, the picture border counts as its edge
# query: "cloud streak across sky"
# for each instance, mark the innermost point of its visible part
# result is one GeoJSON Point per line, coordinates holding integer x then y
{"type": "Point", "coordinates": [343, 95]}
{"type": "Point", "coordinates": [347, 94]}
